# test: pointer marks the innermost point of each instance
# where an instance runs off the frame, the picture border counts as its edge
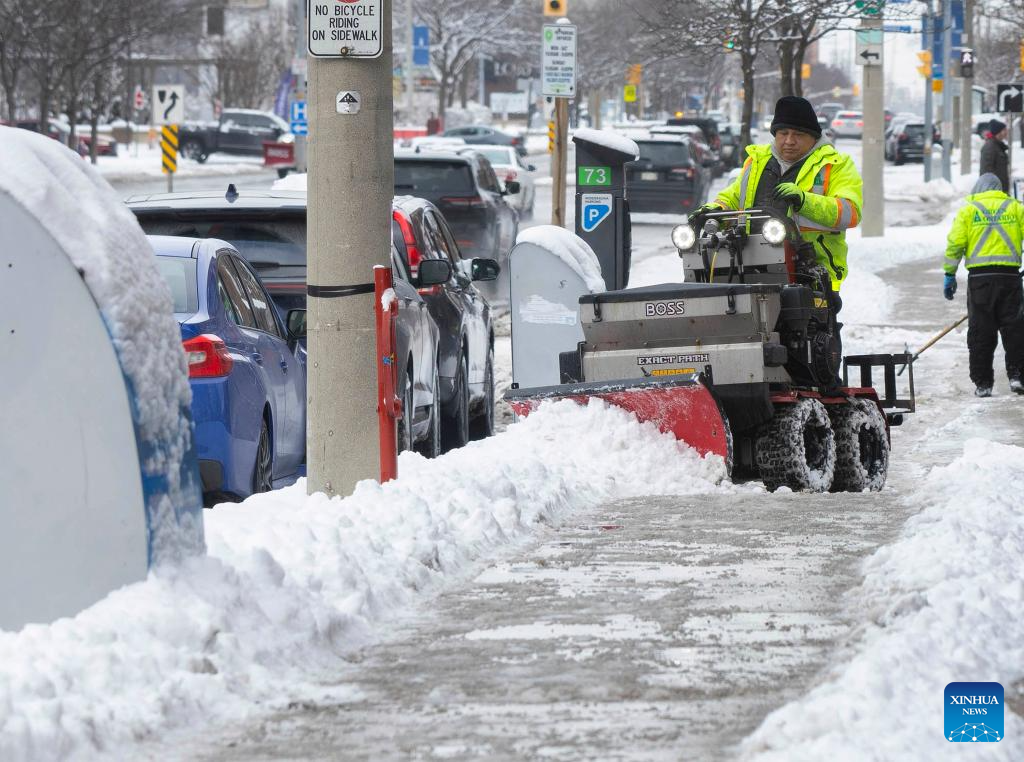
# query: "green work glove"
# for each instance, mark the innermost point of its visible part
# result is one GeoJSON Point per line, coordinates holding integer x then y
{"type": "Point", "coordinates": [789, 194]}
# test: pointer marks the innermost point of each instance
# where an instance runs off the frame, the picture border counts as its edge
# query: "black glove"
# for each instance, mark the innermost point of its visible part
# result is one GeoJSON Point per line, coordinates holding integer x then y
{"type": "Point", "coordinates": [788, 194]}
{"type": "Point", "coordinates": [699, 216]}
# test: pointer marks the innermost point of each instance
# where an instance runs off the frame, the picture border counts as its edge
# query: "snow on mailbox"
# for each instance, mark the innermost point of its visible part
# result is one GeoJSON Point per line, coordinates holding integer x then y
{"type": "Point", "coordinates": [98, 477]}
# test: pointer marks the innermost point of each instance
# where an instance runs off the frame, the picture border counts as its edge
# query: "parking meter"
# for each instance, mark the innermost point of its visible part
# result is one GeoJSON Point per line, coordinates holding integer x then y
{"type": "Point", "coordinates": [602, 207]}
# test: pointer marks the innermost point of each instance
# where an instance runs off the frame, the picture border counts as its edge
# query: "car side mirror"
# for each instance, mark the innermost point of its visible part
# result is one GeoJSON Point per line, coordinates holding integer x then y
{"type": "Point", "coordinates": [512, 187]}
{"type": "Point", "coordinates": [296, 321]}
{"type": "Point", "coordinates": [531, 167]}
{"type": "Point", "coordinates": [485, 269]}
{"type": "Point", "coordinates": [434, 272]}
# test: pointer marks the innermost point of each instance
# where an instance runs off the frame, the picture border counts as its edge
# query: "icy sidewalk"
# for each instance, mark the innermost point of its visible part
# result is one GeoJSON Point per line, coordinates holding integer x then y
{"type": "Point", "coordinates": [293, 584]}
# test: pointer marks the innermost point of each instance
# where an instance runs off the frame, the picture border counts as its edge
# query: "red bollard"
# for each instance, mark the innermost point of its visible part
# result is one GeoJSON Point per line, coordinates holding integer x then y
{"type": "Point", "coordinates": [389, 407]}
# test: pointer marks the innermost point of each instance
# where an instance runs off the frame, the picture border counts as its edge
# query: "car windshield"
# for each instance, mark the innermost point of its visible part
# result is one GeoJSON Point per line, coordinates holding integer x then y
{"type": "Point", "coordinates": [433, 177]}
{"type": "Point", "coordinates": [180, 275]}
{"type": "Point", "coordinates": [497, 156]}
{"type": "Point", "coordinates": [663, 154]}
{"type": "Point", "coordinates": [913, 130]}
{"type": "Point", "coordinates": [266, 244]}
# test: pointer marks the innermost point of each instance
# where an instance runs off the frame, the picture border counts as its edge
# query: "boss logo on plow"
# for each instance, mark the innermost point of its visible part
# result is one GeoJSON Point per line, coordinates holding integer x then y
{"type": "Point", "coordinates": [664, 309]}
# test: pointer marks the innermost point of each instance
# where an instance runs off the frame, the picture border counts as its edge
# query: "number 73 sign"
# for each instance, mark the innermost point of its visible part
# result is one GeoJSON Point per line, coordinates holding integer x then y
{"type": "Point", "coordinates": [594, 176]}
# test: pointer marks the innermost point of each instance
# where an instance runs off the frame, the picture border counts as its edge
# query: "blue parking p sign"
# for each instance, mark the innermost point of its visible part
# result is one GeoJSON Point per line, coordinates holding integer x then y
{"type": "Point", "coordinates": [595, 208]}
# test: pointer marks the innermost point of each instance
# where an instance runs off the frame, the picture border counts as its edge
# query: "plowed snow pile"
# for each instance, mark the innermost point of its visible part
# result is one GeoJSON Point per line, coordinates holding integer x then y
{"type": "Point", "coordinates": [293, 583]}
{"type": "Point", "coordinates": [944, 603]}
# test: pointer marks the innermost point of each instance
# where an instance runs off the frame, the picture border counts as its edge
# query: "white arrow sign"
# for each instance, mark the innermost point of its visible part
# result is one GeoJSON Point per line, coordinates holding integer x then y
{"type": "Point", "coordinates": [1009, 97]}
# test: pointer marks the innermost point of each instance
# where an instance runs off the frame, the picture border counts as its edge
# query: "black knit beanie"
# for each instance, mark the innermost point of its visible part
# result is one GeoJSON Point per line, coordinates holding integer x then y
{"type": "Point", "coordinates": [795, 113]}
{"type": "Point", "coordinates": [995, 127]}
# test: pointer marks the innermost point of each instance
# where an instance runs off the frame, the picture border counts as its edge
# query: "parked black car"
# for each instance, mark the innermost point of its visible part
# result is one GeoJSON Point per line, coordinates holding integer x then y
{"type": "Point", "coordinates": [667, 177]}
{"type": "Point", "coordinates": [481, 135]}
{"type": "Point", "coordinates": [239, 131]}
{"type": "Point", "coordinates": [710, 129]}
{"type": "Point", "coordinates": [462, 314]}
{"type": "Point", "coordinates": [268, 228]}
{"type": "Point", "coordinates": [471, 198]}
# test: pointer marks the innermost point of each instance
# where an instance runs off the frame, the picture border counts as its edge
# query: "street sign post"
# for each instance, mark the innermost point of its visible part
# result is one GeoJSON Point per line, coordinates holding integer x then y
{"type": "Point", "coordinates": [558, 80]}
{"type": "Point", "coordinates": [1010, 98]}
{"type": "Point", "coordinates": [168, 104]}
{"type": "Point", "coordinates": [869, 47]}
{"type": "Point", "coordinates": [346, 28]}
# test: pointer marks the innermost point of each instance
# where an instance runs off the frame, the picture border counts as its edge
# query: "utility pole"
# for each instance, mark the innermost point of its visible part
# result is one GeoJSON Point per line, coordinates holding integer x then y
{"type": "Point", "coordinates": [947, 90]}
{"type": "Point", "coordinates": [351, 184]}
{"type": "Point", "coordinates": [410, 82]}
{"type": "Point", "coordinates": [967, 95]}
{"type": "Point", "coordinates": [299, 72]}
{"type": "Point", "coordinates": [872, 58]}
{"type": "Point", "coordinates": [929, 107]}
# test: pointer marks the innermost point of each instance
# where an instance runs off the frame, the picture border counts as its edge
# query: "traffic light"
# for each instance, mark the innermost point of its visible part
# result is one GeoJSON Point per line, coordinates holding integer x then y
{"type": "Point", "coordinates": [966, 63]}
{"type": "Point", "coordinates": [555, 7]}
{"type": "Point", "coordinates": [925, 57]}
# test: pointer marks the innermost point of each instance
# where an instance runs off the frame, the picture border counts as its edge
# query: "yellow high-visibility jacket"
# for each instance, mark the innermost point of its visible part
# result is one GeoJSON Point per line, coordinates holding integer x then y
{"type": "Point", "coordinates": [988, 230]}
{"type": "Point", "coordinates": [832, 202]}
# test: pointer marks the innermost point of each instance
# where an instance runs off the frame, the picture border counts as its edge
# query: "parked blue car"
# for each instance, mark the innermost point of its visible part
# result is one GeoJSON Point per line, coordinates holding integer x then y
{"type": "Point", "coordinates": [246, 369]}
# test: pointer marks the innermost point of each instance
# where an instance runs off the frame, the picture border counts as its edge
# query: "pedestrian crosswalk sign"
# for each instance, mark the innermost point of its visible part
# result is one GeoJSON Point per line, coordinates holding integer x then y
{"type": "Point", "coordinates": [595, 208]}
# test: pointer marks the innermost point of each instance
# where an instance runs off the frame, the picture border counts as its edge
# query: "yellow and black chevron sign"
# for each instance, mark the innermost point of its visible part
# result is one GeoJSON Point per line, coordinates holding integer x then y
{"type": "Point", "coordinates": [551, 136]}
{"type": "Point", "coordinates": [169, 147]}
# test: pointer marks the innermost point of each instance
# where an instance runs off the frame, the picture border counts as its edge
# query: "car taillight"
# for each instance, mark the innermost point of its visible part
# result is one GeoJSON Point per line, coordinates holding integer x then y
{"type": "Point", "coordinates": [688, 172]}
{"type": "Point", "coordinates": [838, 122]}
{"type": "Point", "coordinates": [208, 357]}
{"type": "Point", "coordinates": [412, 249]}
{"type": "Point", "coordinates": [903, 137]}
{"type": "Point", "coordinates": [860, 124]}
{"type": "Point", "coordinates": [511, 175]}
{"type": "Point", "coordinates": [515, 141]}
{"type": "Point", "coordinates": [464, 202]}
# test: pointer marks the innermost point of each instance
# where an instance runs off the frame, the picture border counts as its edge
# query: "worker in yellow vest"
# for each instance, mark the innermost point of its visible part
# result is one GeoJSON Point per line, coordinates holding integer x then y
{"type": "Point", "coordinates": [987, 234]}
{"type": "Point", "coordinates": [800, 168]}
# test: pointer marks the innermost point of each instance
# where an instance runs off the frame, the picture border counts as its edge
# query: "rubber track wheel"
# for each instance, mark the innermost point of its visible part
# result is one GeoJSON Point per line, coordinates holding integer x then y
{"type": "Point", "coordinates": [862, 446]}
{"type": "Point", "coordinates": [796, 448]}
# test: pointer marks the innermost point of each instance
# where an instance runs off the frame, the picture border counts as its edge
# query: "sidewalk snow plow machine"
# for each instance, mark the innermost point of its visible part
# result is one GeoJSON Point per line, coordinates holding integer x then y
{"type": "Point", "coordinates": [742, 360]}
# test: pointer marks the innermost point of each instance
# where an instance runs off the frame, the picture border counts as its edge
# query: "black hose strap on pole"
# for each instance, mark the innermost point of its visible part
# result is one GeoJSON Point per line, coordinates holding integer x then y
{"type": "Point", "coordinates": [336, 292]}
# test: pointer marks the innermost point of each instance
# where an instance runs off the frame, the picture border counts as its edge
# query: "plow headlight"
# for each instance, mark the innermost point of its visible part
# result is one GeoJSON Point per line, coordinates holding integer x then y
{"type": "Point", "coordinates": [684, 237]}
{"type": "Point", "coordinates": [774, 231]}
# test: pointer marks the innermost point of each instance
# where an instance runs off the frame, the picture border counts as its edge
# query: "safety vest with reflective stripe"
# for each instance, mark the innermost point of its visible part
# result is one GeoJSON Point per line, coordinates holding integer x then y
{"type": "Point", "coordinates": [988, 230]}
{"type": "Point", "coordinates": [832, 203]}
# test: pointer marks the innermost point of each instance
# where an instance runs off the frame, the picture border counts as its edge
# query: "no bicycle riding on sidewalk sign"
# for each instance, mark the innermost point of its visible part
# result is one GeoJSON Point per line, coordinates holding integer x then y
{"type": "Point", "coordinates": [346, 28]}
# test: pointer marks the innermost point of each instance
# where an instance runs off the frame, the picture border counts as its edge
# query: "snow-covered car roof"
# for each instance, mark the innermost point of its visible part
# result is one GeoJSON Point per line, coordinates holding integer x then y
{"type": "Point", "coordinates": [665, 138]}
{"type": "Point", "coordinates": [219, 199]}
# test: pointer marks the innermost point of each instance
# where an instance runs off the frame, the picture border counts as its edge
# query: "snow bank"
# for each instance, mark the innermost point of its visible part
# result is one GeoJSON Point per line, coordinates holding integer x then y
{"type": "Point", "coordinates": [608, 139]}
{"type": "Point", "coordinates": [944, 603]}
{"type": "Point", "coordinates": [292, 182]}
{"type": "Point", "coordinates": [293, 583]}
{"type": "Point", "coordinates": [571, 249]}
{"type": "Point", "coordinates": [106, 244]}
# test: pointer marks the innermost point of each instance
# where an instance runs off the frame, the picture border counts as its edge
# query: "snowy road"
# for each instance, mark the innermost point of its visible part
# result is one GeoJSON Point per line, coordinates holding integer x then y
{"type": "Point", "coordinates": [661, 628]}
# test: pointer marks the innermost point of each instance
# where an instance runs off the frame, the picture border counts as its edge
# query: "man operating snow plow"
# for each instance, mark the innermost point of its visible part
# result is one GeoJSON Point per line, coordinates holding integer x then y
{"type": "Point", "coordinates": [741, 360]}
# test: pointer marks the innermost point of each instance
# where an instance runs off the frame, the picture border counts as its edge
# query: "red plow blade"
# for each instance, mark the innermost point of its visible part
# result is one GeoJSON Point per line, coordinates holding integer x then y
{"type": "Point", "coordinates": [683, 407]}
